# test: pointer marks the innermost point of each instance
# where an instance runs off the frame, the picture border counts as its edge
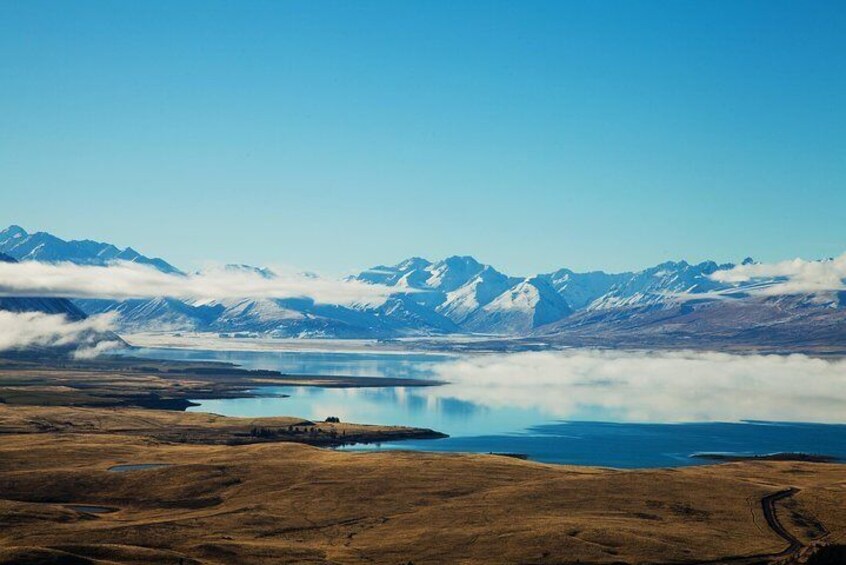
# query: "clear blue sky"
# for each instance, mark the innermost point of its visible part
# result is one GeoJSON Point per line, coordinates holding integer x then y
{"type": "Point", "coordinates": [336, 135]}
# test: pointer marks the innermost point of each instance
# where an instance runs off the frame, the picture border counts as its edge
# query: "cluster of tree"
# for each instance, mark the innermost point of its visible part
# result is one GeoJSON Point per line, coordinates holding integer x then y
{"type": "Point", "coordinates": [312, 431]}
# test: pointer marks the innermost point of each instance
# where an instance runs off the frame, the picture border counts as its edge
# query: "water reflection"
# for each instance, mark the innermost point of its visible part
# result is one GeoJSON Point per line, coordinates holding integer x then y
{"type": "Point", "coordinates": [311, 363]}
{"type": "Point", "coordinates": [652, 387]}
{"type": "Point", "coordinates": [623, 409]}
{"type": "Point", "coordinates": [499, 392]}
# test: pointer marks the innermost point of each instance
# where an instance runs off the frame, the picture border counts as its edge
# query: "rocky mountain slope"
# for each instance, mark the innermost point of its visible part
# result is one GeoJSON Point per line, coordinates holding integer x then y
{"type": "Point", "coordinates": [736, 320]}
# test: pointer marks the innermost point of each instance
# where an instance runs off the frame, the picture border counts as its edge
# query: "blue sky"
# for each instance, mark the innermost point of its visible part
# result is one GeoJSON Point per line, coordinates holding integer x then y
{"type": "Point", "coordinates": [336, 135]}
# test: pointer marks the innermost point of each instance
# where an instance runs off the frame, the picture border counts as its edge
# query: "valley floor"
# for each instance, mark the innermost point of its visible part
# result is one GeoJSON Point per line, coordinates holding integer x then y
{"type": "Point", "coordinates": [255, 491]}
{"type": "Point", "coordinates": [293, 503]}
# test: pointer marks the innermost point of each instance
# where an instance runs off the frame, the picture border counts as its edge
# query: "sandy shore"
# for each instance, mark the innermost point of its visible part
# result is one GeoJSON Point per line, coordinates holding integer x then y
{"type": "Point", "coordinates": [149, 383]}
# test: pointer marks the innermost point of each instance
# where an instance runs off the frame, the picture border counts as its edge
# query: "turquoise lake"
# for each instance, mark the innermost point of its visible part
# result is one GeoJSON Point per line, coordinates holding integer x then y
{"type": "Point", "coordinates": [586, 408]}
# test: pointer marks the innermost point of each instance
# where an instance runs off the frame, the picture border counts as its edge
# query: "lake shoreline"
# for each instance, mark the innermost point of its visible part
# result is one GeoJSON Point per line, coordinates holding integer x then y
{"type": "Point", "coordinates": [154, 383]}
{"type": "Point", "coordinates": [803, 457]}
{"type": "Point", "coordinates": [451, 346]}
{"type": "Point", "coordinates": [61, 499]}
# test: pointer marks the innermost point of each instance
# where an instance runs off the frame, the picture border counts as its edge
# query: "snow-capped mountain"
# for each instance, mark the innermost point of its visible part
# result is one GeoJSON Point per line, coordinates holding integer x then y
{"type": "Point", "coordinates": [161, 313]}
{"type": "Point", "coordinates": [452, 273]}
{"type": "Point", "coordinates": [655, 285]}
{"type": "Point", "coordinates": [409, 316]}
{"type": "Point", "coordinates": [580, 289]}
{"type": "Point", "coordinates": [42, 246]}
{"type": "Point", "coordinates": [672, 300]}
{"type": "Point", "coordinates": [474, 296]}
{"type": "Point", "coordinates": [481, 290]}
{"type": "Point", "coordinates": [530, 303]}
{"type": "Point", "coordinates": [445, 276]}
{"type": "Point", "coordinates": [411, 273]}
{"type": "Point", "coordinates": [276, 317]}
{"type": "Point", "coordinates": [478, 298]}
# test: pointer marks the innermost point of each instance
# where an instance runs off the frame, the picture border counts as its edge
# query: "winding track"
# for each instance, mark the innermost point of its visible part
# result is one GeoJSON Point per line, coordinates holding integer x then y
{"type": "Point", "coordinates": [769, 510]}
{"type": "Point", "coordinates": [768, 506]}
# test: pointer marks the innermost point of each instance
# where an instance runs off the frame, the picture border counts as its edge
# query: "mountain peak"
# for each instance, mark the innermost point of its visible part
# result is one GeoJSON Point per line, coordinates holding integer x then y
{"type": "Point", "coordinates": [450, 273]}
{"type": "Point", "coordinates": [412, 263]}
{"type": "Point", "coordinates": [13, 230]}
{"type": "Point", "coordinates": [461, 260]}
{"type": "Point", "coordinates": [681, 264]}
{"type": "Point", "coordinates": [531, 302]}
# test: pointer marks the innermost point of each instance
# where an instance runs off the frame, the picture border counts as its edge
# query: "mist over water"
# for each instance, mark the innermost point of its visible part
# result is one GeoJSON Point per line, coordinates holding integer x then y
{"type": "Point", "coordinates": [582, 406]}
{"type": "Point", "coordinates": [653, 387]}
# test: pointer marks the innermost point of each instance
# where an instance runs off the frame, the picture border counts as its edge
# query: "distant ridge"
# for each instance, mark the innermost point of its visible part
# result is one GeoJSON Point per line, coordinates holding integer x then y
{"type": "Point", "coordinates": [672, 304]}
{"type": "Point", "coordinates": [42, 246]}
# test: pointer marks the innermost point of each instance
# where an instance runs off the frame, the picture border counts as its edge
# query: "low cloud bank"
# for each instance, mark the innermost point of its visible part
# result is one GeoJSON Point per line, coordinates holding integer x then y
{"type": "Point", "coordinates": [651, 387]}
{"type": "Point", "coordinates": [795, 277]}
{"type": "Point", "coordinates": [21, 330]}
{"type": "Point", "coordinates": [124, 280]}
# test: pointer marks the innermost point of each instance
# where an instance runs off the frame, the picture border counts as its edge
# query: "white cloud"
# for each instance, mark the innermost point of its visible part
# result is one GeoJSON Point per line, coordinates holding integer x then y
{"type": "Point", "coordinates": [793, 277]}
{"type": "Point", "coordinates": [93, 351]}
{"type": "Point", "coordinates": [19, 330]}
{"type": "Point", "coordinates": [125, 280]}
{"type": "Point", "coordinates": [651, 387]}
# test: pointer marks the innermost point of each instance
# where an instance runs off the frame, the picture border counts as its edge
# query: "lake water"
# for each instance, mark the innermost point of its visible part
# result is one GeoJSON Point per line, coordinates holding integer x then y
{"type": "Point", "coordinates": [579, 407]}
{"type": "Point", "coordinates": [90, 508]}
{"type": "Point", "coordinates": [137, 467]}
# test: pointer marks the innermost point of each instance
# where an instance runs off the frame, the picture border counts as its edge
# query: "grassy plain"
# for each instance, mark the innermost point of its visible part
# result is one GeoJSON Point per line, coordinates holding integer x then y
{"type": "Point", "coordinates": [253, 491]}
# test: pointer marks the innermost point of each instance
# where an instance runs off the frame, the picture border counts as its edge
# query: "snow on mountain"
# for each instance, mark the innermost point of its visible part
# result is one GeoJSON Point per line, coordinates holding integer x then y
{"type": "Point", "coordinates": [42, 246]}
{"type": "Point", "coordinates": [483, 288]}
{"type": "Point", "coordinates": [418, 273]}
{"type": "Point", "coordinates": [654, 286]}
{"type": "Point", "coordinates": [580, 289]}
{"type": "Point", "coordinates": [452, 273]}
{"type": "Point", "coordinates": [159, 314]}
{"type": "Point", "coordinates": [405, 314]}
{"type": "Point", "coordinates": [530, 303]}
{"type": "Point", "coordinates": [248, 314]}
{"type": "Point", "coordinates": [472, 295]}
{"type": "Point", "coordinates": [461, 295]}
{"type": "Point", "coordinates": [411, 273]}
{"type": "Point", "coordinates": [398, 316]}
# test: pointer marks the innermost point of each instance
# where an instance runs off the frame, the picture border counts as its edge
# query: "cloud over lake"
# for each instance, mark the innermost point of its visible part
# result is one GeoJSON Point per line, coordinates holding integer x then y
{"type": "Point", "coordinates": [652, 387]}
{"type": "Point", "coordinates": [20, 330]}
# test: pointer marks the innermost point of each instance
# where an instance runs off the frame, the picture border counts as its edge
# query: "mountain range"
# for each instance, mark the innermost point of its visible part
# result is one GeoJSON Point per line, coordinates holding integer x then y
{"type": "Point", "coordinates": [42, 246]}
{"type": "Point", "coordinates": [674, 303]}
